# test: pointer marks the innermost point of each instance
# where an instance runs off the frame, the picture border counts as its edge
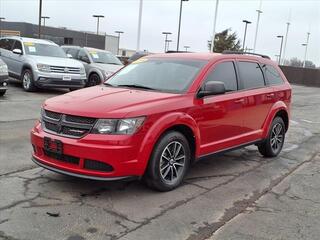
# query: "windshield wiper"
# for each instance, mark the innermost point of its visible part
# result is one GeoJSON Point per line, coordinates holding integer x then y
{"type": "Point", "coordinates": [136, 86]}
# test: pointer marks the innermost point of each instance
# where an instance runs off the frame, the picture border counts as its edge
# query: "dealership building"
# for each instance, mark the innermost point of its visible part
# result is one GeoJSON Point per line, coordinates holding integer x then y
{"type": "Point", "coordinates": [62, 36]}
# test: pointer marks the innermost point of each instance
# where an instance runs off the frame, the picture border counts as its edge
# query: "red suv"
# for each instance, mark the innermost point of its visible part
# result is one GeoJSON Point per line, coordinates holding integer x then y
{"type": "Point", "coordinates": [160, 114]}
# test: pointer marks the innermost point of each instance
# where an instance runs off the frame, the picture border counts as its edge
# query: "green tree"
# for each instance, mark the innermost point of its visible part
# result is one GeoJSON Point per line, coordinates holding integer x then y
{"type": "Point", "coordinates": [225, 41]}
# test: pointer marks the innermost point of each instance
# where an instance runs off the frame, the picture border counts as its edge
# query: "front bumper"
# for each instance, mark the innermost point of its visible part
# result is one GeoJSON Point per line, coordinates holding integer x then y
{"type": "Point", "coordinates": [119, 152]}
{"type": "Point", "coordinates": [55, 80]}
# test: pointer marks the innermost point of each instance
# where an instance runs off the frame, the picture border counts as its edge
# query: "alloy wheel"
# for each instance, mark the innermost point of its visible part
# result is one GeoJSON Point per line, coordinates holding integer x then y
{"type": "Point", "coordinates": [26, 81]}
{"type": "Point", "coordinates": [172, 162]}
{"type": "Point", "coordinates": [277, 137]}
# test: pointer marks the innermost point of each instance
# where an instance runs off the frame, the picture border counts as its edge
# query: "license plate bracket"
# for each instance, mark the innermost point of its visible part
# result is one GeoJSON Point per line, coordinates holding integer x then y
{"type": "Point", "coordinates": [53, 145]}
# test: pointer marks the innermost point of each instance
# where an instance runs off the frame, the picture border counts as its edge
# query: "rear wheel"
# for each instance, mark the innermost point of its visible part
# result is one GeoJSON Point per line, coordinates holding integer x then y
{"type": "Point", "coordinates": [93, 80]}
{"type": "Point", "coordinates": [28, 81]}
{"type": "Point", "coordinates": [272, 146]}
{"type": "Point", "coordinates": [169, 162]}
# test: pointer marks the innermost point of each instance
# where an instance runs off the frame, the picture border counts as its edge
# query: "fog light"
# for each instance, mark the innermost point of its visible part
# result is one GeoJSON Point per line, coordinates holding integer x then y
{"type": "Point", "coordinates": [5, 84]}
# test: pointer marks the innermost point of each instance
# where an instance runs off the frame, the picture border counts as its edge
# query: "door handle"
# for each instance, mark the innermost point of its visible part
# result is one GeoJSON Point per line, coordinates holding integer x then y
{"type": "Point", "coordinates": [270, 95]}
{"type": "Point", "coordinates": [241, 100]}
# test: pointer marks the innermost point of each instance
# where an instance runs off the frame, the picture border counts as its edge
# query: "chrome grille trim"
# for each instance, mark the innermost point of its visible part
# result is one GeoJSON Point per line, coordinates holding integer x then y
{"type": "Point", "coordinates": [66, 70]}
{"type": "Point", "coordinates": [61, 127]}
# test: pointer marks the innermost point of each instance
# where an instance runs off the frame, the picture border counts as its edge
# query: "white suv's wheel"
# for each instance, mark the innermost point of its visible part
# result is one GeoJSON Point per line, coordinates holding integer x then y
{"type": "Point", "coordinates": [27, 81]}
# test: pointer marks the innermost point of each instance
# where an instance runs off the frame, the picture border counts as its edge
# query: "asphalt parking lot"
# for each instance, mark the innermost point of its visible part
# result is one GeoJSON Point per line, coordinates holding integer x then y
{"type": "Point", "coordinates": [239, 195]}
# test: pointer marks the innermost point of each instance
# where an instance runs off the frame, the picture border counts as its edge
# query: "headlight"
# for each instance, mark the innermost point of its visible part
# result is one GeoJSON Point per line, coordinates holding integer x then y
{"type": "Point", "coordinates": [3, 69]}
{"type": "Point", "coordinates": [118, 126]}
{"type": "Point", "coordinates": [43, 67]}
{"type": "Point", "coordinates": [107, 74]}
{"type": "Point", "coordinates": [82, 71]}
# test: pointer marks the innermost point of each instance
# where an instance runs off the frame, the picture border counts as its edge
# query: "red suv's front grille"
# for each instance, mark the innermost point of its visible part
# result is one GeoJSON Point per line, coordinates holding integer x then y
{"type": "Point", "coordinates": [66, 125]}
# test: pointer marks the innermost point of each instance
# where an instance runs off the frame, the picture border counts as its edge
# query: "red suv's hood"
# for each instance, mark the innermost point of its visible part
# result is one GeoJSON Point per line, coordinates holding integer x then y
{"type": "Point", "coordinates": [104, 102]}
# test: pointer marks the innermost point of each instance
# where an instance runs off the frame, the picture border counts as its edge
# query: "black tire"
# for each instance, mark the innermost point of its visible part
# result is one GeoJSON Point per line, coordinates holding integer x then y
{"type": "Point", "coordinates": [93, 80]}
{"type": "Point", "coordinates": [272, 146]}
{"type": "Point", "coordinates": [2, 92]}
{"type": "Point", "coordinates": [167, 145]}
{"type": "Point", "coordinates": [28, 81]}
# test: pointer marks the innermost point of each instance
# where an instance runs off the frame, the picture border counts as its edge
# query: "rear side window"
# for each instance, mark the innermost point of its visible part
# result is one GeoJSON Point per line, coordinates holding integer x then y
{"type": "Point", "coordinates": [224, 72]}
{"type": "Point", "coordinates": [272, 75]}
{"type": "Point", "coordinates": [73, 52]}
{"type": "Point", "coordinates": [6, 44]}
{"type": "Point", "coordinates": [251, 75]}
{"type": "Point", "coordinates": [17, 45]}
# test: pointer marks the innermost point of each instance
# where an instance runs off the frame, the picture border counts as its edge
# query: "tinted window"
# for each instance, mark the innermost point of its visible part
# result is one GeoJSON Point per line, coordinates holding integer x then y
{"type": "Point", "coordinates": [251, 75]}
{"type": "Point", "coordinates": [224, 72]}
{"type": "Point", "coordinates": [6, 44]}
{"type": "Point", "coordinates": [73, 52]}
{"type": "Point", "coordinates": [103, 57]}
{"type": "Point", "coordinates": [272, 75]}
{"type": "Point", "coordinates": [167, 75]}
{"type": "Point", "coordinates": [17, 45]}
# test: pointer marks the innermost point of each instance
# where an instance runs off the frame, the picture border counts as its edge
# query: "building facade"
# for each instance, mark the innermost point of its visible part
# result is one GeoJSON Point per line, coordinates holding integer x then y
{"type": "Point", "coordinates": [61, 36]}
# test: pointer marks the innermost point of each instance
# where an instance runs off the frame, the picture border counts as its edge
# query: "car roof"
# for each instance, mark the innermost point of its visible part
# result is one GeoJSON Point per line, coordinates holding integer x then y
{"type": "Point", "coordinates": [33, 40]}
{"type": "Point", "coordinates": [211, 56]}
{"type": "Point", "coordinates": [87, 48]}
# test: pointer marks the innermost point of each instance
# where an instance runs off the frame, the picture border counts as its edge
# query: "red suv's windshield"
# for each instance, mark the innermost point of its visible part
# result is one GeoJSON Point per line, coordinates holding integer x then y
{"type": "Point", "coordinates": [167, 75]}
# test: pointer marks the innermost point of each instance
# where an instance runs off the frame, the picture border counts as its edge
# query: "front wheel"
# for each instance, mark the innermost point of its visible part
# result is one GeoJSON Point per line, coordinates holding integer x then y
{"type": "Point", "coordinates": [272, 146]}
{"type": "Point", "coordinates": [28, 81]}
{"type": "Point", "coordinates": [93, 80]}
{"type": "Point", "coordinates": [169, 162]}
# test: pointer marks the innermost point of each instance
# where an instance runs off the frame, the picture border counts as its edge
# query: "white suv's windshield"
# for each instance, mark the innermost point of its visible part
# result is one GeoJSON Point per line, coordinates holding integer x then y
{"type": "Point", "coordinates": [40, 49]}
{"type": "Point", "coordinates": [166, 75]}
{"type": "Point", "coordinates": [104, 57]}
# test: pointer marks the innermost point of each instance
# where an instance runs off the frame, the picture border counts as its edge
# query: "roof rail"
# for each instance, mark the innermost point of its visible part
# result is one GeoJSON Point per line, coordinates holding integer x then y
{"type": "Point", "coordinates": [249, 53]}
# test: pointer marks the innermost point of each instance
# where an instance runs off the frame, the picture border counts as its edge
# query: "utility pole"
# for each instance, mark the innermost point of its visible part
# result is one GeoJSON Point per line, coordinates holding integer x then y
{"type": "Point", "coordinates": [44, 20]}
{"type": "Point", "coordinates": [306, 50]}
{"type": "Point", "coordinates": [98, 21]}
{"type": "Point", "coordinates": [179, 26]}
{"type": "Point", "coordinates": [214, 25]}
{"type": "Point", "coordinates": [186, 47]}
{"type": "Point", "coordinates": [139, 25]}
{"type": "Point", "coordinates": [40, 14]}
{"type": "Point", "coordinates": [285, 42]}
{"type": "Point", "coordinates": [168, 41]}
{"type": "Point", "coordinates": [257, 27]}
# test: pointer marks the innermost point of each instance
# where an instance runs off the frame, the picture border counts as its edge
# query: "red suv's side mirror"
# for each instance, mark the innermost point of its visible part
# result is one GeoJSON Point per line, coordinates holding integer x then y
{"type": "Point", "coordinates": [212, 88]}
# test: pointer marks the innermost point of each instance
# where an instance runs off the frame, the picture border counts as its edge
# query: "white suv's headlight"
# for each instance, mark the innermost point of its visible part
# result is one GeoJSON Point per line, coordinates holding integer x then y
{"type": "Point", "coordinates": [106, 74]}
{"type": "Point", "coordinates": [3, 69]}
{"type": "Point", "coordinates": [43, 67]}
{"type": "Point", "coordinates": [82, 71]}
{"type": "Point", "coordinates": [118, 126]}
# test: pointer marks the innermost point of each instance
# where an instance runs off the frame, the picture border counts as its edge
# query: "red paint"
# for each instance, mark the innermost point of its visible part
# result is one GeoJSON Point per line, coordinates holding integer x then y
{"type": "Point", "coordinates": [218, 122]}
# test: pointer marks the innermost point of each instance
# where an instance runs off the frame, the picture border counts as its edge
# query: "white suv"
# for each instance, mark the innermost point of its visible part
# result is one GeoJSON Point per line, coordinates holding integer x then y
{"type": "Point", "coordinates": [41, 64]}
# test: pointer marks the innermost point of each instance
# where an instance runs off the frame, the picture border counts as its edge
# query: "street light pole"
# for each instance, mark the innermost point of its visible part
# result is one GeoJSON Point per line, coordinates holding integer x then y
{"type": "Point", "coordinates": [179, 26]}
{"type": "Point", "coordinates": [98, 21]}
{"type": "Point", "coordinates": [119, 32]}
{"type": "Point", "coordinates": [257, 27]}
{"type": "Point", "coordinates": [245, 32]}
{"type": "Point", "coordinates": [214, 25]}
{"type": "Point", "coordinates": [165, 41]}
{"type": "Point", "coordinates": [1, 18]}
{"type": "Point", "coordinates": [305, 51]}
{"type": "Point", "coordinates": [168, 41]}
{"type": "Point", "coordinates": [44, 20]}
{"type": "Point", "coordinates": [285, 42]}
{"type": "Point", "coordinates": [40, 13]}
{"type": "Point", "coordinates": [280, 36]}
{"type": "Point", "coordinates": [139, 25]}
{"type": "Point", "coordinates": [186, 47]}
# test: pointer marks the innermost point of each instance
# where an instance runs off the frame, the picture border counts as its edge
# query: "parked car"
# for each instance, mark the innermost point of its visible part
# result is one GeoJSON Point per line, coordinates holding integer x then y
{"type": "Point", "coordinates": [160, 114]}
{"type": "Point", "coordinates": [3, 77]}
{"type": "Point", "coordinates": [99, 64]}
{"type": "Point", "coordinates": [136, 56]}
{"type": "Point", "coordinates": [41, 64]}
